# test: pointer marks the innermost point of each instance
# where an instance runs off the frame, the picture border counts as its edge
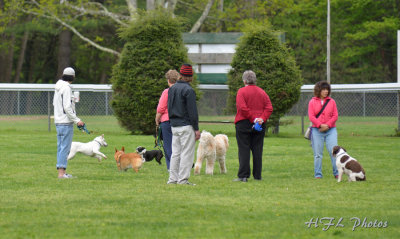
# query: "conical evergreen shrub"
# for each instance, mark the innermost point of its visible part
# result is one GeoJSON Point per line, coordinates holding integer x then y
{"type": "Point", "coordinates": [259, 50]}
{"type": "Point", "coordinates": [154, 45]}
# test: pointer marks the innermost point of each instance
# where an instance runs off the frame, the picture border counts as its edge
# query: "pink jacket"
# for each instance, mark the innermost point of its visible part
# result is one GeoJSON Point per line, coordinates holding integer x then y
{"type": "Point", "coordinates": [162, 107]}
{"type": "Point", "coordinates": [329, 116]}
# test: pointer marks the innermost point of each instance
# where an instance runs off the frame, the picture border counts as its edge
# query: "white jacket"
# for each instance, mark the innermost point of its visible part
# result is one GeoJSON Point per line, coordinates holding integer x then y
{"type": "Point", "coordinates": [64, 104]}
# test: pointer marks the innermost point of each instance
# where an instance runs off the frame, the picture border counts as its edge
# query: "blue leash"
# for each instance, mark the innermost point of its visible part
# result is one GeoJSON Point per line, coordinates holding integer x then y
{"type": "Point", "coordinates": [83, 128]}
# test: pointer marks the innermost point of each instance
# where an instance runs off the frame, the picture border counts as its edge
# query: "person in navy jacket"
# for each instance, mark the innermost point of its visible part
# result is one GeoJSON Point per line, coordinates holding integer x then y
{"type": "Point", "coordinates": [253, 107]}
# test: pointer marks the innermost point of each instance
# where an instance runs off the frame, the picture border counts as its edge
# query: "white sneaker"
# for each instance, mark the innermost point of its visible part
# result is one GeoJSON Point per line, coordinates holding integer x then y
{"type": "Point", "coordinates": [66, 176]}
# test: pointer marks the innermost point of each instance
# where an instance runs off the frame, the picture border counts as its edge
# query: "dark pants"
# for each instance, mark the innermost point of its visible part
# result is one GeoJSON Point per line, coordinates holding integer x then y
{"type": "Point", "coordinates": [248, 140]}
{"type": "Point", "coordinates": [167, 141]}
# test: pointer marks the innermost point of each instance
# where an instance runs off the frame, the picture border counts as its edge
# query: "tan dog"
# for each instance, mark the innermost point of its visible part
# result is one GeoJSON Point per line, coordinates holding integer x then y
{"type": "Point", "coordinates": [211, 149]}
{"type": "Point", "coordinates": [127, 160]}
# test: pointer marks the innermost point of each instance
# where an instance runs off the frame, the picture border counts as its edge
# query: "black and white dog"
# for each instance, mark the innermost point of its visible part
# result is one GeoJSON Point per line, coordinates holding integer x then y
{"type": "Point", "coordinates": [348, 165]}
{"type": "Point", "coordinates": [149, 155]}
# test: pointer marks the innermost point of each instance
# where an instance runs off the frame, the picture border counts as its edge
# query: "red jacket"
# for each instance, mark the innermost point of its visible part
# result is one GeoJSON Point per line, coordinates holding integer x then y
{"type": "Point", "coordinates": [329, 116]}
{"type": "Point", "coordinates": [252, 102]}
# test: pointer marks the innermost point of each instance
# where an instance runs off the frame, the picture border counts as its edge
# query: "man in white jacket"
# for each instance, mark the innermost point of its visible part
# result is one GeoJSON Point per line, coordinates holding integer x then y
{"type": "Point", "coordinates": [64, 118]}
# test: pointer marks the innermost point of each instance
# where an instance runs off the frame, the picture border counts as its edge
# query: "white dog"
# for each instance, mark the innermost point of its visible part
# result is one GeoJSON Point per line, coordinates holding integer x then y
{"type": "Point", "coordinates": [348, 165]}
{"type": "Point", "coordinates": [91, 148]}
{"type": "Point", "coordinates": [211, 149]}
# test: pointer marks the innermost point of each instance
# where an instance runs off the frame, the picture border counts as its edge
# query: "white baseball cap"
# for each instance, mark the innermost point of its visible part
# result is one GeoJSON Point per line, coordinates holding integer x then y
{"type": "Point", "coordinates": [69, 71]}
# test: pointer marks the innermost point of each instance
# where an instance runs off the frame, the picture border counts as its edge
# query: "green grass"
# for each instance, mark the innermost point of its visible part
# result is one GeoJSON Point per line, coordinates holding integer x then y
{"type": "Point", "coordinates": [105, 203]}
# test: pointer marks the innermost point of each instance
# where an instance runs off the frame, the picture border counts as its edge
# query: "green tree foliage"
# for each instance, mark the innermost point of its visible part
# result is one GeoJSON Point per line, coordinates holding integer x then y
{"type": "Point", "coordinates": [260, 51]}
{"type": "Point", "coordinates": [363, 39]}
{"type": "Point", "coordinates": [153, 46]}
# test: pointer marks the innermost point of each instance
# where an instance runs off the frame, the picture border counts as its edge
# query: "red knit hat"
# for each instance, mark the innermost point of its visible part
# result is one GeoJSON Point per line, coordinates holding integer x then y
{"type": "Point", "coordinates": [186, 70]}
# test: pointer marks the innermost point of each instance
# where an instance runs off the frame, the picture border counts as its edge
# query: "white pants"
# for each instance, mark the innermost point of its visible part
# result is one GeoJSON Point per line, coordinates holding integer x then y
{"type": "Point", "coordinates": [183, 148]}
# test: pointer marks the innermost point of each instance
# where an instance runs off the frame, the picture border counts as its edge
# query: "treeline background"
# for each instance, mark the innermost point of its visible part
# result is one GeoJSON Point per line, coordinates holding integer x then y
{"type": "Point", "coordinates": [35, 47]}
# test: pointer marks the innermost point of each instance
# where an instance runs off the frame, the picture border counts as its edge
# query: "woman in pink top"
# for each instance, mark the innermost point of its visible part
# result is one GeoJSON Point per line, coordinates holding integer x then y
{"type": "Point", "coordinates": [162, 118]}
{"type": "Point", "coordinates": [323, 127]}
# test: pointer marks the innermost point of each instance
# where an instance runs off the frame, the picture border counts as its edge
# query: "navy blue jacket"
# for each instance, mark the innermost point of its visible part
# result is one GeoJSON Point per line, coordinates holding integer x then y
{"type": "Point", "coordinates": [182, 109]}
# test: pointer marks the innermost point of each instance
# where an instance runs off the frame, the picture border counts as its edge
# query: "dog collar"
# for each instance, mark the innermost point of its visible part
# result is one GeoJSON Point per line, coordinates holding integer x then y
{"type": "Point", "coordinates": [97, 142]}
{"type": "Point", "coordinates": [337, 155]}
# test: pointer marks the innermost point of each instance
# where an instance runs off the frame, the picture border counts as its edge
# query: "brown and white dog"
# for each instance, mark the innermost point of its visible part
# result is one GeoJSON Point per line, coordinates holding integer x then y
{"type": "Point", "coordinates": [348, 165]}
{"type": "Point", "coordinates": [211, 149]}
{"type": "Point", "coordinates": [127, 160]}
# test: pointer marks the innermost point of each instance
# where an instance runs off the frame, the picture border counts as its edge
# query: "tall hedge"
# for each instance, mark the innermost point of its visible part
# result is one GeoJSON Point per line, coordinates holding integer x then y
{"type": "Point", "coordinates": [259, 50]}
{"type": "Point", "coordinates": [154, 45]}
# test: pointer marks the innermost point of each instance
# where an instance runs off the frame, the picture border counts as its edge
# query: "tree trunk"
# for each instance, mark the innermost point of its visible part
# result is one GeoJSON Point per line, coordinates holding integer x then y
{"type": "Point", "coordinates": [21, 57]}
{"type": "Point", "coordinates": [9, 60]}
{"type": "Point", "coordinates": [203, 17]}
{"type": "Point", "coordinates": [171, 4]}
{"type": "Point", "coordinates": [150, 5]}
{"type": "Point", "coordinates": [64, 51]}
{"type": "Point", "coordinates": [132, 7]}
{"type": "Point", "coordinates": [103, 77]}
{"type": "Point", "coordinates": [220, 10]}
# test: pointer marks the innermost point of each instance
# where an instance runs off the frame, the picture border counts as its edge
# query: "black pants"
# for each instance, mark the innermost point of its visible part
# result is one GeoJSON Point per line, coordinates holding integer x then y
{"type": "Point", "coordinates": [248, 140]}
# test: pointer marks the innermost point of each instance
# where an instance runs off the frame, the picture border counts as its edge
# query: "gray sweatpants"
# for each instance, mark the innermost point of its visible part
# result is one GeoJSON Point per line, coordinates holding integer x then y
{"type": "Point", "coordinates": [183, 148]}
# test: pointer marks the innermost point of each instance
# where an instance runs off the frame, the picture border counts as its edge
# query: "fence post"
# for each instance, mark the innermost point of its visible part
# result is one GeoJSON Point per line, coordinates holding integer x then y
{"type": "Point", "coordinates": [48, 111]}
{"type": "Point", "coordinates": [364, 104]}
{"type": "Point", "coordinates": [18, 102]}
{"type": "Point", "coordinates": [106, 103]}
{"type": "Point", "coordinates": [398, 111]}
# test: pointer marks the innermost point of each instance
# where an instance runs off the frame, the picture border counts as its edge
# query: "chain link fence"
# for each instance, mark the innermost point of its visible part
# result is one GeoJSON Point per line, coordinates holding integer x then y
{"type": "Point", "coordinates": [356, 103]}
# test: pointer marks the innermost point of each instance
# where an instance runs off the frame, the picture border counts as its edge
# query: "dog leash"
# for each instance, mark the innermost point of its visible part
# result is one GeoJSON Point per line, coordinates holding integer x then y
{"type": "Point", "coordinates": [157, 141]}
{"type": "Point", "coordinates": [83, 128]}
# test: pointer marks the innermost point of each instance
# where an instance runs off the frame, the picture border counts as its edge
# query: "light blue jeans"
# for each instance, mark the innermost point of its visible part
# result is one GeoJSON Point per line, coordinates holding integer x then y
{"type": "Point", "coordinates": [64, 141]}
{"type": "Point", "coordinates": [317, 142]}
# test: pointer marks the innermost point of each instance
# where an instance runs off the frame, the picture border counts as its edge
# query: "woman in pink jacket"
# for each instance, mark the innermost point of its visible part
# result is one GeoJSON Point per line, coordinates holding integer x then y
{"type": "Point", "coordinates": [323, 127]}
{"type": "Point", "coordinates": [162, 117]}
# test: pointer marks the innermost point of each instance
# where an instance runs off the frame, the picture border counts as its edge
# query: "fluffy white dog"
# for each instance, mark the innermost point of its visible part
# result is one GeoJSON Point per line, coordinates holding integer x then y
{"type": "Point", "coordinates": [211, 149]}
{"type": "Point", "coordinates": [91, 148]}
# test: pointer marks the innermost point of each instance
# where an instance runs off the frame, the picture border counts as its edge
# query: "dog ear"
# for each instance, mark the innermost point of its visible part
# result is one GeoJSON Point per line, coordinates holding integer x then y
{"type": "Point", "coordinates": [116, 150]}
{"type": "Point", "coordinates": [123, 149]}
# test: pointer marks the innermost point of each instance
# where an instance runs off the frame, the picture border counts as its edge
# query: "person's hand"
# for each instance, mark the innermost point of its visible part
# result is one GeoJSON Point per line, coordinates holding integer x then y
{"type": "Point", "coordinates": [80, 123]}
{"type": "Point", "coordinates": [259, 120]}
{"type": "Point", "coordinates": [197, 134]}
{"type": "Point", "coordinates": [157, 122]}
{"type": "Point", "coordinates": [323, 128]}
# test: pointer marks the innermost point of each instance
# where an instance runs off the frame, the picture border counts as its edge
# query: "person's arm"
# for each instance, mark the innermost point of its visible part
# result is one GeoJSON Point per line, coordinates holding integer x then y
{"type": "Point", "coordinates": [241, 106]}
{"type": "Point", "coordinates": [162, 106]}
{"type": "Point", "coordinates": [191, 108]}
{"type": "Point", "coordinates": [267, 109]}
{"type": "Point", "coordinates": [158, 118]}
{"type": "Point", "coordinates": [312, 115]}
{"type": "Point", "coordinates": [67, 106]}
{"type": "Point", "coordinates": [335, 115]}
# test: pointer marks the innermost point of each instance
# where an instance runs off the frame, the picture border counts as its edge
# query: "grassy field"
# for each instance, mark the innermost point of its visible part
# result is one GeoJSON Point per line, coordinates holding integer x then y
{"type": "Point", "coordinates": [104, 203]}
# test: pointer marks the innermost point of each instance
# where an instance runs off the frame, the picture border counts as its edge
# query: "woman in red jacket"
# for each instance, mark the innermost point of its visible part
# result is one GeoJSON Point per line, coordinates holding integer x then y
{"type": "Point", "coordinates": [253, 106]}
{"type": "Point", "coordinates": [323, 127]}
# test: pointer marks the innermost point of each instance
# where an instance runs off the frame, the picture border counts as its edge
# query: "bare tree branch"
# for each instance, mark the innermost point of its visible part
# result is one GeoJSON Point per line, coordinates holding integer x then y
{"type": "Point", "coordinates": [104, 12]}
{"type": "Point", "coordinates": [50, 15]}
{"type": "Point", "coordinates": [203, 17]}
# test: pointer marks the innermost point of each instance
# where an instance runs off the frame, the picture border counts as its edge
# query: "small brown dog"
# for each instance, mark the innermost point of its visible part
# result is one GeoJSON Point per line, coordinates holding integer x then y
{"type": "Point", "coordinates": [127, 160]}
